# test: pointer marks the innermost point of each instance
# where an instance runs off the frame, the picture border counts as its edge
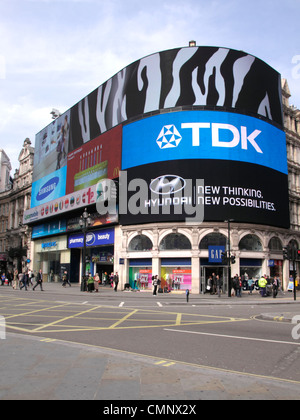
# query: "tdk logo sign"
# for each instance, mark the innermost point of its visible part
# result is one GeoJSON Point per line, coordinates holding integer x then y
{"type": "Point", "coordinates": [203, 135]}
{"type": "Point", "coordinates": [168, 137]}
{"type": "Point", "coordinates": [221, 135]}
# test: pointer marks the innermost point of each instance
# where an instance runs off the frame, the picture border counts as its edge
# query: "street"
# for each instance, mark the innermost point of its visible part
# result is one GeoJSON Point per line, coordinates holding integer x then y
{"type": "Point", "coordinates": [161, 346]}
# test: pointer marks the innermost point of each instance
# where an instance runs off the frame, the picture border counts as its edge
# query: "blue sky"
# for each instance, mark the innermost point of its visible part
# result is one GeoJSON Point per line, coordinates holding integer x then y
{"type": "Point", "coordinates": [55, 52]}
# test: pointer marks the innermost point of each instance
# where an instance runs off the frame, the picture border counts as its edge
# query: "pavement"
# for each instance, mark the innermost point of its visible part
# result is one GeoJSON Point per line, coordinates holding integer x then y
{"type": "Point", "coordinates": [39, 368]}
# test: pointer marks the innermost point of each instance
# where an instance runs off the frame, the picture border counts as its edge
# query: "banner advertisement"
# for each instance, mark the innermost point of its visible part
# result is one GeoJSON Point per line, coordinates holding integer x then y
{"type": "Point", "coordinates": [204, 190]}
{"type": "Point", "coordinates": [49, 188]}
{"type": "Point", "coordinates": [61, 205]}
{"type": "Point", "coordinates": [204, 166]}
{"type": "Point", "coordinates": [204, 135]}
{"type": "Point", "coordinates": [96, 160]}
{"type": "Point", "coordinates": [96, 238]}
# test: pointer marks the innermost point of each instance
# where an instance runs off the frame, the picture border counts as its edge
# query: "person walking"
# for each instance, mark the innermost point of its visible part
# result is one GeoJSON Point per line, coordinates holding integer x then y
{"type": "Point", "coordinates": [65, 279]}
{"type": "Point", "coordinates": [39, 281]}
{"type": "Point", "coordinates": [16, 280]}
{"type": "Point", "coordinates": [155, 284]}
{"type": "Point", "coordinates": [24, 281]}
{"type": "Point", "coordinates": [262, 283]}
{"type": "Point", "coordinates": [96, 282]}
{"type": "Point", "coordinates": [90, 283]}
{"type": "Point", "coordinates": [116, 281]}
{"type": "Point", "coordinates": [275, 287]}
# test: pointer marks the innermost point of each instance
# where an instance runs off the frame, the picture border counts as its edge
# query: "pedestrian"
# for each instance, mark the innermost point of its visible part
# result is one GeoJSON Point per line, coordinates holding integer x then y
{"type": "Point", "coordinates": [116, 281]}
{"type": "Point", "coordinates": [3, 278]}
{"type": "Point", "coordinates": [16, 279]}
{"type": "Point", "coordinates": [90, 283]}
{"type": "Point", "coordinates": [235, 284]}
{"type": "Point", "coordinates": [65, 279]}
{"type": "Point", "coordinates": [262, 283]}
{"type": "Point", "coordinates": [39, 280]}
{"type": "Point", "coordinates": [9, 278]}
{"type": "Point", "coordinates": [240, 285]}
{"type": "Point", "coordinates": [155, 283]}
{"type": "Point", "coordinates": [251, 285]}
{"type": "Point", "coordinates": [214, 284]}
{"type": "Point", "coordinates": [275, 287]}
{"type": "Point", "coordinates": [96, 282]}
{"type": "Point", "coordinates": [30, 278]}
{"type": "Point", "coordinates": [24, 281]}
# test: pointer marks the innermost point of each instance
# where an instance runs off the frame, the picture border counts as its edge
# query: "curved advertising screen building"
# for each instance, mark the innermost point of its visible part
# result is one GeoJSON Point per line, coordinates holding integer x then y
{"type": "Point", "coordinates": [193, 139]}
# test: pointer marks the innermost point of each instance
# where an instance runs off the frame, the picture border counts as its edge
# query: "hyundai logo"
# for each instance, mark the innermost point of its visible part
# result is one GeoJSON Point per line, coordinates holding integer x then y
{"type": "Point", "coordinates": [167, 184]}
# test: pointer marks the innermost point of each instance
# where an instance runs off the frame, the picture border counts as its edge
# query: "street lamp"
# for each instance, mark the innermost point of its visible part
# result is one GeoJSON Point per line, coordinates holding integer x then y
{"type": "Point", "coordinates": [85, 221]}
{"type": "Point", "coordinates": [229, 257]}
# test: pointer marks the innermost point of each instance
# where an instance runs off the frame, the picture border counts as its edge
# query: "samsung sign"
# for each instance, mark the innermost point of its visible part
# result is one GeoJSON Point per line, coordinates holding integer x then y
{"type": "Point", "coordinates": [204, 135]}
{"type": "Point", "coordinates": [50, 187]}
{"type": "Point", "coordinates": [98, 238]}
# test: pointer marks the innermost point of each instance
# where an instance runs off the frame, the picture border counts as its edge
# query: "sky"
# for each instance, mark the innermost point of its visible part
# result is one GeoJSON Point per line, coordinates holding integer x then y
{"type": "Point", "coordinates": [53, 53]}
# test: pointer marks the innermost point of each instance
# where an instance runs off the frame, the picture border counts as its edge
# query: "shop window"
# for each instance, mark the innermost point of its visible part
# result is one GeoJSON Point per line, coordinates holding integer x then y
{"type": "Point", "coordinates": [175, 241]}
{"type": "Point", "coordinates": [140, 243]}
{"type": "Point", "coordinates": [275, 244]}
{"type": "Point", "coordinates": [213, 239]}
{"type": "Point", "coordinates": [250, 243]}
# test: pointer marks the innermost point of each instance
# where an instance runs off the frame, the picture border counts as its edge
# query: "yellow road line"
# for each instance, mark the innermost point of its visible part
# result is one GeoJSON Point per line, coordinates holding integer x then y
{"type": "Point", "coordinates": [123, 319]}
{"type": "Point", "coordinates": [64, 319]}
{"type": "Point", "coordinates": [178, 319]}
{"type": "Point", "coordinates": [33, 312]}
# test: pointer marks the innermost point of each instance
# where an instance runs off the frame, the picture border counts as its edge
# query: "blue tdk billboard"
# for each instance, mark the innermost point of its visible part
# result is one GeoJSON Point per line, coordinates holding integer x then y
{"type": "Point", "coordinates": [235, 166]}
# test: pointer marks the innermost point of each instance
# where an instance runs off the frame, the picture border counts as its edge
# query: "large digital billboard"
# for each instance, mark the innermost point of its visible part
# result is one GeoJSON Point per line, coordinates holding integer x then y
{"type": "Point", "coordinates": [229, 108]}
{"type": "Point", "coordinates": [231, 165]}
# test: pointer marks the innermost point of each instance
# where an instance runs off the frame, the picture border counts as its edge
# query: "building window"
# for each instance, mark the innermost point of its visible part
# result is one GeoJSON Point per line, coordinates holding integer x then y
{"type": "Point", "coordinates": [275, 244]}
{"type": "Point", "coordinates": [175, 241]}
{"type": "Point", "coordinates": [213, 239]}
{"type": "Point", "coordinates": [250, 243]}
{"type": "Point", "coordinates": [140, 243]}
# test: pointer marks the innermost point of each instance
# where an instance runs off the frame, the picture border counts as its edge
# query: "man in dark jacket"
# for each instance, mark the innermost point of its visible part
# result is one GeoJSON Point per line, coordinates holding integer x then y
{"type": "Point", "coordinates": [39, 280]}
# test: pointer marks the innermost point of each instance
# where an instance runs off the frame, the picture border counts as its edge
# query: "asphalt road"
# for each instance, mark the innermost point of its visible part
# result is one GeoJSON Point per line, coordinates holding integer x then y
{"type": "Point", "coordinates": [223, 338]}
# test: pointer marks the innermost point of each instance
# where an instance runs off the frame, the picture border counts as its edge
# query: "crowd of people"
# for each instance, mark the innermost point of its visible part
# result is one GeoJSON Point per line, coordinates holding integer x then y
{"type": "Point", "coordinates": [27, 278]}
{"type": "Point", "coordinates": [265, 285]}
{"type": "Point", "coordinates": [22, 280]}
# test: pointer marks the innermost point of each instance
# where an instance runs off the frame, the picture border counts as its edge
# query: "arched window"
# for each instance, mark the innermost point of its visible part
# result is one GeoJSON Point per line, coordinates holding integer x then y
{"type": "Point", "coordinates": [140, 243]}
{"type": "Point", "coordinates": [213, 239]}
{"type": "Point", "coordinates": [275, 244]}
{"type": "Point", "coordinates": [294, 243]}
{"type": "Point", "coordinates": [250, 243]}
{"type": "Point", "coordinates": [175, 241]}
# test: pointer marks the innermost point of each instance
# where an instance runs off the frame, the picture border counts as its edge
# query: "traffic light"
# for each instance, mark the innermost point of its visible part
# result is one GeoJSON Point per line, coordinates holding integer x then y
{"type": "Point", "coordinates": [291, 253]}
{"type": "Point", "coordinates": [286, 253]}
{"type": "Point", "coordinates": [232, 259]}
{"type": "Point", "coordinates": [224, 258]}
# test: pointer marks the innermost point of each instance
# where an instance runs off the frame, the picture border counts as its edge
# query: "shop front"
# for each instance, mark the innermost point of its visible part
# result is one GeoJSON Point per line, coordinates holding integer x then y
{"type": "Point", "coordinates": [99, 253]}
{"type": "Point", "coordinates": [176, 274]}
{"type": "Point", "coordinates": [53, 257]}
{"type": "Point", "coordinates": [140, 274]}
